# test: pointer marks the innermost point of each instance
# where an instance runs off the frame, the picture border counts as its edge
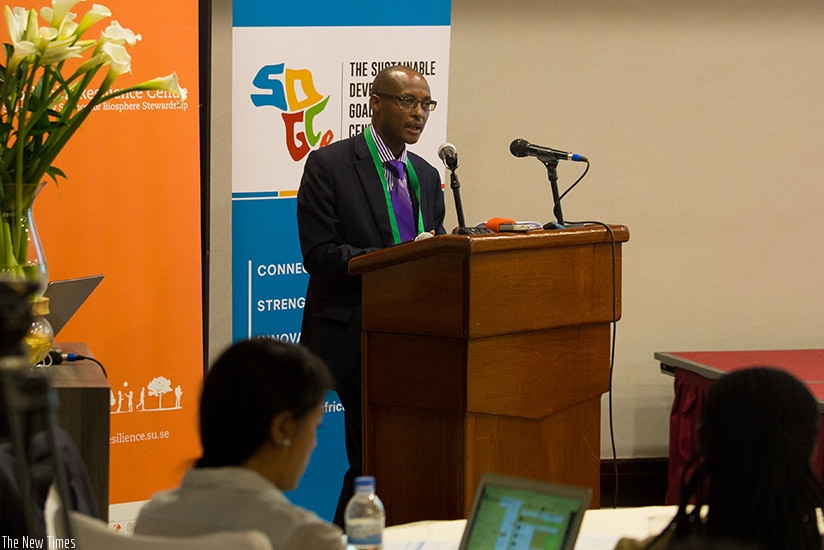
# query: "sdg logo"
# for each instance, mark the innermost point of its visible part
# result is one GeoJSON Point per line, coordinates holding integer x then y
{"type": "Point", "coordinates": [293, 92]}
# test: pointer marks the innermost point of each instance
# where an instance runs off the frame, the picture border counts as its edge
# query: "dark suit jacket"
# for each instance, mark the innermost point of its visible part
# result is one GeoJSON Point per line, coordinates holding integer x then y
{"type": "Point", "coordinates": [342, 213]}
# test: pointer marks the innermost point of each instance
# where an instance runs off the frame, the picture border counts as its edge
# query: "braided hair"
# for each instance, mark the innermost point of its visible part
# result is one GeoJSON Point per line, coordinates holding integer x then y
{"type": "Point", "coordinates": [752, 470]}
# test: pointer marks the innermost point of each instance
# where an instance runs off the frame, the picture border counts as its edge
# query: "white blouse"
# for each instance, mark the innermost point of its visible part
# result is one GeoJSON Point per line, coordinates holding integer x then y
{"type": "Point", "coordinates": [233, 499]}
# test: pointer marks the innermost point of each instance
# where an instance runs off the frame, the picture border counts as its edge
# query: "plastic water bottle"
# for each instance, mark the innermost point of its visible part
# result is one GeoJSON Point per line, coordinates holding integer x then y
{"type": "Point", "coordinates": [364, 517]}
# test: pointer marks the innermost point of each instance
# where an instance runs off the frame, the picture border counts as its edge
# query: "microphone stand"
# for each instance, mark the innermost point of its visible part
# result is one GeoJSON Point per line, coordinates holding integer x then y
{"type": "Point", "coordinates": [551, 164]}
{"type": "Point", "coordinates": [456, 193]}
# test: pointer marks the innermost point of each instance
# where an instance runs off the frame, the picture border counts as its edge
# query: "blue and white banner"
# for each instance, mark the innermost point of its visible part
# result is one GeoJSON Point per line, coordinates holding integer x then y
{"type": "Point", "coordinates": [300, 80]}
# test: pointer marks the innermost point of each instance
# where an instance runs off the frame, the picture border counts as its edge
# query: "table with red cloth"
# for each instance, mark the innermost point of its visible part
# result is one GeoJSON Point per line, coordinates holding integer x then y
{"type": "Point", "coordinates": [694, 373]}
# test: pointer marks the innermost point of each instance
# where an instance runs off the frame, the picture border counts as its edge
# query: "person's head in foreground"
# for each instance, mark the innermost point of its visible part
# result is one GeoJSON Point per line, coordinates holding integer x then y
{"type": "Point", "coordinates": [260, 408]}
{"type": "Point", "coordinates": [753, 470]}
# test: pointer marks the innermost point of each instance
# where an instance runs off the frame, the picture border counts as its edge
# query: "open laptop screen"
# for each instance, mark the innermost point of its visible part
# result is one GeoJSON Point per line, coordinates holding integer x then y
{"type": "Point", "coordinates": [66, 296]}
{"type": "Point", "coordinates": [510, 513]}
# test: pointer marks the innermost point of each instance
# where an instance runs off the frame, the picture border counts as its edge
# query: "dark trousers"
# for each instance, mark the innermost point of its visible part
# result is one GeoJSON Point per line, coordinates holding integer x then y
{"type": "Point", "coordinates": [338, 343]}
{"type": "Point", "coordinates": [352, 418]}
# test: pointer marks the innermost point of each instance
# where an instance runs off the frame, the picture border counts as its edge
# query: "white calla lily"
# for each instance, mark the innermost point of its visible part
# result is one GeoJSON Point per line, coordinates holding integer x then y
{"type": "Point", "coordinates": [31, 26]}
{"type": "Point", "coordinates": [118, 58]}
{"type": "Point", "coordinates": [85, 44]}
{"type": "Point", "coordinates": [68, 27]}
{"type": "Point", "coordinates": [168, 83]}
{"type": "Point", "coordinates": [21, 51]}
{"type": "Point", "coordinates": [59, 10]}
{"type": "Point", "coordinates": [45, 35]}
{"type": "Point", "coordinates": [44, 101]}
{"type": "Point", "coordinates": [94, 15]}
{"type": "Point", "coordinates": [59, 50]}
{"type": "Point", "coordinates": [16, 21]}
{"type": "Point", "coordinates": [118, 35]}
{"type": "Point", "coordinates": [22, 27]}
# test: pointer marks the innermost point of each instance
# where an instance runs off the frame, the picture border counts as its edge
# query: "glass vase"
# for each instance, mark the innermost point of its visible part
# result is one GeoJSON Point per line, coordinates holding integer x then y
{"type": "Point", "coordinates": [21, 253]}
{"type": "Point", "coordinates": [39, 339]}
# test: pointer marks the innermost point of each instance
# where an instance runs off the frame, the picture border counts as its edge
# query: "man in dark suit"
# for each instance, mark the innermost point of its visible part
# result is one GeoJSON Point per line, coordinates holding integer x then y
{"type": "Point", "coordinates": [357, 196]}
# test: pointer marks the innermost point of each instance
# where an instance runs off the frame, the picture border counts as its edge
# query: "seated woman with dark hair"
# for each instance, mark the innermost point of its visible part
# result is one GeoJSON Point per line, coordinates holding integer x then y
{"type": "Point", "coordinates": [260, 408]}
{"type": "Point", "coordinates": [752, 474]}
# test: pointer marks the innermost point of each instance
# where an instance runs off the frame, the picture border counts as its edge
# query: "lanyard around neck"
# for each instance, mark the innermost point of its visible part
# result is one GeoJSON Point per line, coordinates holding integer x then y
{"type": "Point", "coordinates": [413, 181]}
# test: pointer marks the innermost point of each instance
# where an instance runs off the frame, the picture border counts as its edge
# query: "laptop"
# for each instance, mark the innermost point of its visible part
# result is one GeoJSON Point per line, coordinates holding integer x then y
{"type": "Point", "coordinates": [509, 512]}
{"type": "Point", "coordinates": [65, 298]}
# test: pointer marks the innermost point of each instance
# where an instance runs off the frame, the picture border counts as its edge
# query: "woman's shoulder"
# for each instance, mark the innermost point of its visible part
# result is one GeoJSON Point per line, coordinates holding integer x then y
{"type": "Point", "coordinates": [310, 532]}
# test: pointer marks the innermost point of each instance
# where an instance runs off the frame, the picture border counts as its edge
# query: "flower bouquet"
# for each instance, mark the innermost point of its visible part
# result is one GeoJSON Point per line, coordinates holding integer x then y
{"type": "Point", "coordinates": [53, 78]}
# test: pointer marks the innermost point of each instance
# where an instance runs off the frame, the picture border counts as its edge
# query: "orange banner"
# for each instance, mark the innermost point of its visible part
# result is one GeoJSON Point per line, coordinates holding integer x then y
{"type": "Point", "coordinates": [130, 209]}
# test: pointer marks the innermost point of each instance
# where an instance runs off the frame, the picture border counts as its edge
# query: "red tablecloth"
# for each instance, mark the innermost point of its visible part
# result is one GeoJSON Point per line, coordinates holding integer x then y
{"type": "Point", "coordinates": [694, 374]}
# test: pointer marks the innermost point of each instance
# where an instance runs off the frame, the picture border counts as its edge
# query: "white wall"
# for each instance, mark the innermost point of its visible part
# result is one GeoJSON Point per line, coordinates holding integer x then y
{"type": "Point", "coordinates": [704, 123]}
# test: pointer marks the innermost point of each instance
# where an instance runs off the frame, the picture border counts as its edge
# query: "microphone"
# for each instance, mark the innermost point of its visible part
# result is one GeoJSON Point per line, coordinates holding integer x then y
{"type": "Point", "coordinates": [448, 155]}
{"type": "Point", "coordinates": [522, 148]}
{"type": "Point", "coordinates": [58, 357]}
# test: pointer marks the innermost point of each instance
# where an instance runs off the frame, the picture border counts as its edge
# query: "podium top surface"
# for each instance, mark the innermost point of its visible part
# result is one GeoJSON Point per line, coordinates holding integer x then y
{"type": "Point", "coordinates": [489, 285]}
{"type": "Point", "coordinates": [494, 242]}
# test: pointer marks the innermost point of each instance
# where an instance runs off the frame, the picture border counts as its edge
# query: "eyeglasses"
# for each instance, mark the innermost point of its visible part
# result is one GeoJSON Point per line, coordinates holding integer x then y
{"type": "Point", "coordinates": [409, 103]}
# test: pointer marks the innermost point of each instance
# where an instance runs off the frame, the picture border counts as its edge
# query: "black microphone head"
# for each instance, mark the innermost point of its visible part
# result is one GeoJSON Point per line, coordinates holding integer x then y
{"type": "Point", "coordinates": [448, 155]}
{"type": "Point", "coordinates": [446, 149]}
{"type": "Point", "coordinates": [519, 148]}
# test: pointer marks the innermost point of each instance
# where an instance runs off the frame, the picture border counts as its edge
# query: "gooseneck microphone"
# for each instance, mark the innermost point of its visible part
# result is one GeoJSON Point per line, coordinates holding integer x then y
{"type": "Point", "coordinates": [522, 148]}
{"type": "Point", "coordinates": [448, 155]}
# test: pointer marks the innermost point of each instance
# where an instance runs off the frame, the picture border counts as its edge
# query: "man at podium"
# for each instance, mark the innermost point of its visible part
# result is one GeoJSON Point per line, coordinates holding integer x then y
{"type": "Point", "coordinates": [356, 196]}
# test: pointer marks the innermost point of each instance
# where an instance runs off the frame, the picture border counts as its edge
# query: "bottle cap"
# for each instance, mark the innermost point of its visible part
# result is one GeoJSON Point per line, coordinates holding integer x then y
{"type": "Point", "coordinates": [365, 484]}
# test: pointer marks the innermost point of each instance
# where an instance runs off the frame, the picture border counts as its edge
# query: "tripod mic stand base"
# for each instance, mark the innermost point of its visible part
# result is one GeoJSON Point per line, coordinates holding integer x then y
{"type": "Point", "coordinates": [473, 231]}
{"type": "Point", "coordinates": [554, 225]}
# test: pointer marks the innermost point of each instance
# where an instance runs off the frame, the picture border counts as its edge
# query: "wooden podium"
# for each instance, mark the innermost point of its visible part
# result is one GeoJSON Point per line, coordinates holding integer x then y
{"type": "Point", "coordinates": [486, 353]}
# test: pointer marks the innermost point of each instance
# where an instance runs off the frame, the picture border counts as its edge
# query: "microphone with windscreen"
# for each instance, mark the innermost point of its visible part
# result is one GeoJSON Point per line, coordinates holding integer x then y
{"type": "Point", "coordinates": [448, 155]}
